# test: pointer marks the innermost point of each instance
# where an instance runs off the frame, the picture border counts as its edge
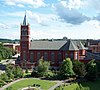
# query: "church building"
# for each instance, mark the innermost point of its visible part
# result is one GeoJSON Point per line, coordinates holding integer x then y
{"type": "Point", "coordinates": [53, 50]}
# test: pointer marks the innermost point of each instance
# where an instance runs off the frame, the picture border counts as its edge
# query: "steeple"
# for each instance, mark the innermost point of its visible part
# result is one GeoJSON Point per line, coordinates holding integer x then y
{"type": "Point", "coordinates": [25, 19]}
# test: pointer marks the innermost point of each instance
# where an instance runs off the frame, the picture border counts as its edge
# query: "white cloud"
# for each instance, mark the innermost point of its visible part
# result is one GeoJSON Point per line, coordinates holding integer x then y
{"type": "Point", "coordinates": [4, 26]}
{"type": "Point", "coordinates": [20, 5]}
{"type": "Point", "coordinates": [42, 19]}
{"type": "Point", "coordinates": [34, 17]}
{"type": "Point", "coordinates": [94, 23]}
{"type": "Point", "coordinates": [10, 3]}
{"type": "Point", "coordinates": [70, 15]}
{"type": "Point", "coordinates": [16, 14]}
{"type": "Point", "coordinates": [73, 4]}
{"type": "Point", "coordinates": [34, 3]}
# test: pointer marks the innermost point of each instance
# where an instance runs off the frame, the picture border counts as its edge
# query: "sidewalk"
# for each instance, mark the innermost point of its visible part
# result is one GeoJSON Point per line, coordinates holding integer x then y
{"type": "Point", "coordinates": [58, 84]}
{"type": "Point", "coordinates": [5, 86]}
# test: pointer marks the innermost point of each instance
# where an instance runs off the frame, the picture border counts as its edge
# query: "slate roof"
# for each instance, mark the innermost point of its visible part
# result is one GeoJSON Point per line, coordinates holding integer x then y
{"type": "Point", "coordinates": [94, 42]}
{"type": "Point", "coordinates": [56, 45]}
{"type": "Point", "coordinates": [79, 45]}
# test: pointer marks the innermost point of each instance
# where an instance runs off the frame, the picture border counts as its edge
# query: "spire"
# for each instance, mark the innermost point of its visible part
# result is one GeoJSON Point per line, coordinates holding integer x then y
{"type": "Point", "coordinates": [25, 19]}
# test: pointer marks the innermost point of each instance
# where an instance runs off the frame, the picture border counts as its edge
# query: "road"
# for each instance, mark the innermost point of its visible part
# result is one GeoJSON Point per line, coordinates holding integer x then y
{"type": "Point", "coordinates": [8, 61]}
{"type": "Point", "coordinates": [3, 64]}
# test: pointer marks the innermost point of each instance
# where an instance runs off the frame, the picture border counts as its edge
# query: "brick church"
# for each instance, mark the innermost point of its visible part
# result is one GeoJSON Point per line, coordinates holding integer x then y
{"type": "Point", "coordinates": [54, 51]}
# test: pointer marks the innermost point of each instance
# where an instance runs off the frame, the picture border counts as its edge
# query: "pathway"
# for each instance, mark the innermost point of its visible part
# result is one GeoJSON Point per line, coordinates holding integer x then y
{"type": "Point", "coordinates": [51, 88]}
{"type": "Point", "coordinates": [58, 84]}
{"type": "Point", "coordinates": [5, 86]}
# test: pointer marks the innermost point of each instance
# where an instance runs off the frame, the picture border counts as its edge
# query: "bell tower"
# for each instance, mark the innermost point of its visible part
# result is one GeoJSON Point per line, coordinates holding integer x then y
{"type": "Point", "coordinates": [24, 42]}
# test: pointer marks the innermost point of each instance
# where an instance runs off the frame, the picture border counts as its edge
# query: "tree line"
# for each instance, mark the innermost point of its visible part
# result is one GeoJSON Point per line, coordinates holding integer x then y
{"type": "Point", "coordinates": [5, 53]}
{"type": "Point", "coordinates": [69, 68]}
{"type": "Point", "coordinates": [11, 73]}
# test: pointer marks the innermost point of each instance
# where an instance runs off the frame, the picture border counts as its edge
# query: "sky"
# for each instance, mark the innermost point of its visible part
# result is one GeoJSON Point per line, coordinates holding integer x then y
{"type": "Point", "coordinates": [75, 19]}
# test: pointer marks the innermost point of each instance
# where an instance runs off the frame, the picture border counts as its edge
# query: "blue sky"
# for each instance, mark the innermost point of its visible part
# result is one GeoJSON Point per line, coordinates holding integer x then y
{"type": "Point", "coordinates": [75, 19]}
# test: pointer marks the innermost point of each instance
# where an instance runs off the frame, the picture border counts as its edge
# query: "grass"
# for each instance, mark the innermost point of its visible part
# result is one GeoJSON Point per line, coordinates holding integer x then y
{"type": "Point", "coordinates": [92, 85]}
{"type": "Point", "coordinates": [27, 74]}
{"type": "Point", "coordinates": [45, 84]}
{"type": "Point", "coordinates": [69, 87]}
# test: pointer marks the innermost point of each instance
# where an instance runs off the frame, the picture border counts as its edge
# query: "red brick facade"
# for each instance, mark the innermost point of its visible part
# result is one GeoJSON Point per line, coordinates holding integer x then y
{"type": "Point", "coordinates": [30, 57]}
{"type": "Point", "coordinates": [25, 52]}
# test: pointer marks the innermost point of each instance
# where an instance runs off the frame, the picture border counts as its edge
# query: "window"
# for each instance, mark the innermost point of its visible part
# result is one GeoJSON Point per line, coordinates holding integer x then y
{"type": "Point", "coordinates": [38, 56]}
{"type": "Point", "coordinates": [24, 55]}
{"type": "Point", "coordinates": [83, 52]}
{"type": "Point", "coordinates": [76, 55]}
{"type": "Point", "coordinates": [52, 56]}
{"type": "Point", "coordinates": [24, 45]}
{"type": "Point", "coordinates": [59, 57]}
{"type": "Point", "coordinates": [66, 55]}
{"type": "Point", "coordinates": [24, 32]}
{"type": "Point", "coordinates": [45, 56]}
{"type": "Point", "coordinates": [31, 57]}
{"type": "Point", "coordinates": [72, 56]}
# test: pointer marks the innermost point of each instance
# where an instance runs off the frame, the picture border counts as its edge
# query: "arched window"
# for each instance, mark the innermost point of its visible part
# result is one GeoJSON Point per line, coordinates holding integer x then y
{"type": "Point", "coordinates": [59, 57]}
{"type": "Point", "coordinates": [45, 56]}
{"type": "Point", "coordinates": [52, 56]}
{"type": "Point", "coordinates": [31, 57]}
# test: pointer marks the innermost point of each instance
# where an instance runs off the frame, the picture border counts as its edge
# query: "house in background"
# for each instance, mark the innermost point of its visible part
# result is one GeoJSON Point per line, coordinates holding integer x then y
{"type": "Point", "coordinates": [53, 50]}
{"type": "Point", "coordinates": [15, 47]}
{"type": "Point", "coordinates": [93, 45]}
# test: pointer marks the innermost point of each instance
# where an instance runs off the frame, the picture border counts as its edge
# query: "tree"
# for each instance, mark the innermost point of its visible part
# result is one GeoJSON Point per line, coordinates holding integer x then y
{"type": "Point", "coordinates": [79, 68]}
{"type": "Point", "coordinates": [91, 70]}
{"type": "Point", "coordinates": [2, 83]}
{"type": "Point", "coordinates": [9, 71]}
{"type": "Point", "coordinates": [98, 68]}
{"type": "Point", "coordinates": [4, 77]}
{"type": "Point", "coordinates": [14, 71]}
{"type": "Point", "coordinates": [5, 53]}
{"type": "Point", "coordinates": [18, 72]}
{"type": "Point", "coordinates": [43, 67]}
{"type": "Point", "coordinates": [66, 69]}
{"type": "Point", "coordinates": [26, 70]}
{"type": "Point", "coordinates": [9, 88]}
{"type": "Point", "coordinates": [0, 57]}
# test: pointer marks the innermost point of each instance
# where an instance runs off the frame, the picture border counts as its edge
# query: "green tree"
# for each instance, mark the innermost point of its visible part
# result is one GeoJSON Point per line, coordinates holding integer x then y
{"type": "Point", "coordinates": [9, 88]}
{"type": "Point", "coordinates": [4, 77]}
{"type": "Point", "coordinates": [18, 72]}
{"type": "Point", "coordinates": [98, 68]}
{"type": "Point", "coordinates": [2, 83]}
{"type": "Point", "coordinates": [79, 68]}
{"type": "Point", "coordinates": [5, 53]}
{"type": "Point", "coordinates": [66, 69]}
{"type": "Point", "coordinates": [26, 70]}
{"type": "Point", "coordinates": [0, 57]}
{"type": "Point", "coordinates": [14, 71]}
{"type": "Point", "coordinates": [43, 67]}
{"type": "Point", "coordinates": [91, 70]}
{"type": "Point", "coordinates": [9, 71]}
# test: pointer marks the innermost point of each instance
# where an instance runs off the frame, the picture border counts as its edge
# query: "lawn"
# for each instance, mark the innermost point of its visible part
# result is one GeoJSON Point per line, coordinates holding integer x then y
{"type": "Point", "coordinates": [92, 85]}
{"type": "Point", "coordinates": [69, 87]}
{"type": "Point", "coordinates": [45, 84]}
